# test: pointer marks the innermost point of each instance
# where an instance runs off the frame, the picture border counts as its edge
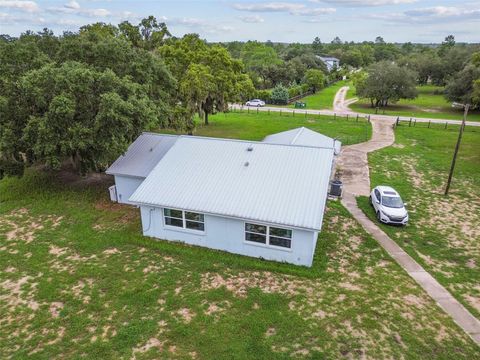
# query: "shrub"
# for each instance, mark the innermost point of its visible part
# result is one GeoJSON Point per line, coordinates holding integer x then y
{"type": "Point", "coordinates": [264, 95]}
{"type": "Point", "coordinates": [280, 95]}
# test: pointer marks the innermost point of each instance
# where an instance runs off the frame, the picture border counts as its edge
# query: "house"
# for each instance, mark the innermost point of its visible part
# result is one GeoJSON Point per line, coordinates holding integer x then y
{"type": "Point", "coordinates": [261, 199]}
{"type": "Point", "coordinates": [330, 62]}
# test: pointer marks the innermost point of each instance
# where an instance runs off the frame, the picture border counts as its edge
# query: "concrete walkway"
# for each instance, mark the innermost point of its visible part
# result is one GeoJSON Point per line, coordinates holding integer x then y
{"type": "Point", "coordinates": [354, 171]}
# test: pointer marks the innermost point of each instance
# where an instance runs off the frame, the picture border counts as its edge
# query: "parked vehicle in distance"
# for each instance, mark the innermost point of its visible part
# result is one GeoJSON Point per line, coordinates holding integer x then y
{"type": "Point", "coordinates": [388, 205]}
{"type": "Point", "coordinates": [255, 102]}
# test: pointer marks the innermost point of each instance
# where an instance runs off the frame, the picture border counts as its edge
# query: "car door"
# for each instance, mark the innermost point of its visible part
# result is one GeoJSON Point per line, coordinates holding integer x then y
{"type": "Point", "coordinates": [377, 200]}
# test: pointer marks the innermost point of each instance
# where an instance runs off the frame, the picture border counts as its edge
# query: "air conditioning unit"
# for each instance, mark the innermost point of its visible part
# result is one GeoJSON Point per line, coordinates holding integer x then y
{"type": "Point", "coordinates": [113, 193]}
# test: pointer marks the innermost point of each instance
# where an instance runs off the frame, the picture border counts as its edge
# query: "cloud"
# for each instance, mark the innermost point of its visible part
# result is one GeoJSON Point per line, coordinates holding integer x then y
{"type": "Point", "coordinates": [270, 7]}
{"type": "Point", "coordinates": [362, 3]}
{"type": "Point", "coordinates": [27, 6]}
{"type": "Point", "coordinates": [72, 5]}
{"type": "Point", "coordinates": [443, 11]}
{"type": "Point", "coordinates": [252, 19]}
{"type": "Point", "coordinates": [433, 14]}
{"type": "Point", "coordinates": [315, 12]}
{"type": "Point", "coordinates": [291, 8]}
{"type": "Point", "coordinates": [74, 8]}
{"type": "Point", "coordinates": [199, 25]}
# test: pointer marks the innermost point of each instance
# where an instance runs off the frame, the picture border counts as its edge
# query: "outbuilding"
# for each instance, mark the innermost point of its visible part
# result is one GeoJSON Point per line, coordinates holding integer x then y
{"type": "Point", "coordinates": [261, 199]}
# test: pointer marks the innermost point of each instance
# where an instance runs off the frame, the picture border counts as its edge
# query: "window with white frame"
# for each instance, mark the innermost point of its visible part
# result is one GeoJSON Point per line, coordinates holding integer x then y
{"type": "Point", "coordinates": [268, 235]}
{"type": "Point", "coordinates": [184, 219]}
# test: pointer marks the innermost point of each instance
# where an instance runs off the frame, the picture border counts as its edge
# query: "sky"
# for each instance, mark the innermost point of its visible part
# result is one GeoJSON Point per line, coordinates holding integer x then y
{"type": "Point", "coordinates": [419, 21]}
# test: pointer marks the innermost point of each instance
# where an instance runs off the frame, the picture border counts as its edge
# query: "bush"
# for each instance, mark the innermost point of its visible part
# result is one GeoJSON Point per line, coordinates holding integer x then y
{"type": "Point", "coordinates": [295, 91]}
{"type": "Point", "coordinates": [264, 95]}
{"type": "Point", "coordinates": [280, 95]}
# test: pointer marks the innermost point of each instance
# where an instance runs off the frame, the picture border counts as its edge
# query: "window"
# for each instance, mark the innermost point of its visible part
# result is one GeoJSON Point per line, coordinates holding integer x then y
{"type": "Point", "coordinates": [268, 235]}
{"type": "Point", "coordinates": [184, 219]}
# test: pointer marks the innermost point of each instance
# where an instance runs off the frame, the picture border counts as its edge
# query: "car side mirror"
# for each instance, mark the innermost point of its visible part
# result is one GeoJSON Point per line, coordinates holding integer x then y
{"type": "Point", "coordinates": [378, 201]}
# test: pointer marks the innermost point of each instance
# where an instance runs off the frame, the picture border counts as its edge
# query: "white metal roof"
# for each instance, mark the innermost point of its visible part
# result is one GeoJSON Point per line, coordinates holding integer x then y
{"type": "Point", "coordinates": [304, 136]}
{"type": "Point", "coordinates": [142, 155]}
{"type": "Point", "coordinates": [279, 184]}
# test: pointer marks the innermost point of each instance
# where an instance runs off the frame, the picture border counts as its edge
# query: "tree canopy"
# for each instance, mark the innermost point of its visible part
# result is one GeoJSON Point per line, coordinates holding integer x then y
{"type": "Point", "coordinates": [386, 83]}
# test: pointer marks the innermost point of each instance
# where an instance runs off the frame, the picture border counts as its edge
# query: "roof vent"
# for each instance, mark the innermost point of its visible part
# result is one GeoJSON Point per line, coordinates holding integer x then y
{"type": "Point", "coordinates": [151, 149]}
{"type": "Point", "coordinates": [250, 148]}
{"type": "Point", "coordinates": [247, 163]}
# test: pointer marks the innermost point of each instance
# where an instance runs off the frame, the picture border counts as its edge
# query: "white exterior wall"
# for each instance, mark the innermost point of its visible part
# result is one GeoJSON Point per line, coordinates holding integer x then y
{"type": "Point", "coordinates": [228, 234]}
{"type": "Point", "coordinates": [126, 186]}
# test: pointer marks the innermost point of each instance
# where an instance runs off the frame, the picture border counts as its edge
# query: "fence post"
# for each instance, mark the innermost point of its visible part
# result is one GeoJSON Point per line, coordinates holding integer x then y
{"type": "Point", "coordinates": [398, 120]}
{"type": "Point", "coordinates": [334, 116]}
{"type": "Point", "coordinates": [257, 110]}
{"type": "Point", "coordinates": [268, 111]}
{"type": "Point", "coordinates": [415, 122]}
{"type": "Point", "coordinates": [446, 123]}
{"type": "Point", "coordinates": [294, 113]}
{"type": "Point", "coordinates": [347, 117]}
{"type": "Point", "coordinates": [357, 118]}
{"type": "Point", "coordinates": [368, 118]}
{"type": "Point", "coordinates": [248, 110]}
{"type": "Point", "coordinates": [429, 121]}
{"type": "Point", "coordinates": [384, 111]}
{"type": "Point", "coordinates": [305, 114]}
{"type": "Point", "coordinates": [280, 112]}
{"type": "Point", "coordinates": [410, 122]}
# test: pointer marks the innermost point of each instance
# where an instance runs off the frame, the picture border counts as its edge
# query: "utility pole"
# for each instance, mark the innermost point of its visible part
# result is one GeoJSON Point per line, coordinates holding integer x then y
{"type": "Point", "coordinates": [462, 127]}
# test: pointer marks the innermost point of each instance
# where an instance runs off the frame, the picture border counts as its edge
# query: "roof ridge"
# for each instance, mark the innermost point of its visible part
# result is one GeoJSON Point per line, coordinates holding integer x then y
{"type": "Point", "coordinates": [300, 130]}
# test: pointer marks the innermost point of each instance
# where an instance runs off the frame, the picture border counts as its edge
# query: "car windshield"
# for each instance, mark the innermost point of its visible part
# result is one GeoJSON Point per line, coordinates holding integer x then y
{"type": "Point", "coordinates": [392, 201]}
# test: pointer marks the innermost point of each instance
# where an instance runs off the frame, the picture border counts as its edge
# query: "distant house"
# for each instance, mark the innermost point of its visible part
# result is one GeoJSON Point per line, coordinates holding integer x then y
{"type": "Point", "coordinates": [262, 199]}
{"type": "Point", "coordinates": [330, 62]}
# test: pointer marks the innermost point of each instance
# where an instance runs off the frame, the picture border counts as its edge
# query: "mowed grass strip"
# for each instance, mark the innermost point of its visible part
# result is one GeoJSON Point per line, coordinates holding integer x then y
{"type": "Point", "coordinates": [444, 232]}
{"type": "Point", "coordinates": [77, 279]}
{"type": "Point", "coordinates": [430, 103]}
{"type": "Point", "coordinates": [250, 125]}
{"type": "Point", "coordinates": [322, 99]}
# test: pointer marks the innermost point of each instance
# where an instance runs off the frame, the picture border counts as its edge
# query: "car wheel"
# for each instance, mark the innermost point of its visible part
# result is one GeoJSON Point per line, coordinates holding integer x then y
{"type": "Point", "coordinates": [379, 217]}
{"type": "Point", "coordinates": [370, 199]}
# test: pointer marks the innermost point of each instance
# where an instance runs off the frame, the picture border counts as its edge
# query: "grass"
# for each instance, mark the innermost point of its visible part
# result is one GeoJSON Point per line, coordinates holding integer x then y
{"type": "Point", "coordinates": [78, 280]}
{"type": "Point", "coordinates": [322, 99]}
{"type": "Point", "coordinates": [255, 126]}
{"type": "Point", "coordinates": [430, 103]}
{"type": "Point", "coordinates": [443, 233]}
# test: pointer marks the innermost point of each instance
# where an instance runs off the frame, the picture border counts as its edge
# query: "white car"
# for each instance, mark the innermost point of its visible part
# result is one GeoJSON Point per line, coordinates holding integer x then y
{"type": "Point", "coordinates": [388, 206]}
{"type": "Point", "coordinates": [255, 102]}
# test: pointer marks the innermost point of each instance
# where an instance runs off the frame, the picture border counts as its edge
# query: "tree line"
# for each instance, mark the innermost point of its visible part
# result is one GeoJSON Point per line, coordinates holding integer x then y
{"type": "Point", "coordinates": [85, 96]}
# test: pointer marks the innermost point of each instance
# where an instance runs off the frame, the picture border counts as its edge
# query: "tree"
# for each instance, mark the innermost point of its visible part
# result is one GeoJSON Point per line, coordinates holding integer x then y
{"type": "Point", "coordinates": [461, 87]}
{"type": "Point", "coordinates": [83, 114]}
{"type": "Point", "coordinates": [259, 59]}
{"type": "Point", "coordinates": [317, 46]}
{"type": "Point", "coordinates": [279, 95]}
{"type": "Point", "coordinates": [387, 82]}
{"type": "Point", "coordinates": [208, 77]}
{"type": "Point", "coordinates": [315, 79]}
{"type": "Point", "coordinates": [379, 40]}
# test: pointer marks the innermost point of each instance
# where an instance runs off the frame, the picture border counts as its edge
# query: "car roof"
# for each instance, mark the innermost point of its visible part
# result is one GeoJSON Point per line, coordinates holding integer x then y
{"type": "Point", "coordinates": [387, 190]}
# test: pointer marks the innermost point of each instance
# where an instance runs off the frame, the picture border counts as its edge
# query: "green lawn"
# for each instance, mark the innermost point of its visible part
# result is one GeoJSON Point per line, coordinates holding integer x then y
{"type": "Point", "coordinates": [444, 232]}
{"type": "Point", "coordinates": [78, 280]}
{"type": "Point", "coordinates": [255, 126]}
{"type": "Point", "coordinates": [323, 99]}
{"type": "Point", "coordinates": [428, 104]}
